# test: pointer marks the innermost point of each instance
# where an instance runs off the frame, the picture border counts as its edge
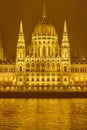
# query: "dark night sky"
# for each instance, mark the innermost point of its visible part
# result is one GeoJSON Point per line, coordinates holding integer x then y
{"type": "Point", "coordinates": [30, 11]}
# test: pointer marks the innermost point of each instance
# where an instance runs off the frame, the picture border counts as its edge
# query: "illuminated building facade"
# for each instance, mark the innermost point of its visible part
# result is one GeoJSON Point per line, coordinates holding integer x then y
{"type": "Point", "coordinates": [48, 65]}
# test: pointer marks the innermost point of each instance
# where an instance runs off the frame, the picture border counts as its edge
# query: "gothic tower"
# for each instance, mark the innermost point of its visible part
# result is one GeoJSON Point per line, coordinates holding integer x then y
{"type": "Point", "coordinates": [20, 57]}
{"type": "Point", "coordinates": [65, 55]}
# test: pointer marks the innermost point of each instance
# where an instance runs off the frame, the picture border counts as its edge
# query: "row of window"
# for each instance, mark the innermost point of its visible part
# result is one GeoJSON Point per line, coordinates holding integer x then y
{"type": "Point", "coordinates": [76, 70]}
{"type": "Point", "coordinates": [42, 68]}
{"type": "Point", "coordinates": [6, 79]}
{"type": "Point", "coordinates": [45, 42]}
{"type": "Point", "coordinates": [7, 70]}
{"type": "Point", "coordinates": [42, 74]}
{"type": "Point", "coordinates": [44, 38]}
{"type": "Point", "coordinates": [58, 79]}
{"type": "Point", "coordinates": [43, 65]}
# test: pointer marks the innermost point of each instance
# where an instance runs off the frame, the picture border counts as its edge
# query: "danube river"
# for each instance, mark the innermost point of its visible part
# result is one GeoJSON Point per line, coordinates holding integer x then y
{"type": "Point", "coordinates": [43, 114]}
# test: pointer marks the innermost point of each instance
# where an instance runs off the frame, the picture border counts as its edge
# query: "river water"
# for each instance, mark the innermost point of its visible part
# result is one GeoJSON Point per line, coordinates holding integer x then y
{"type": "Point", "coordinates": [43, 114]}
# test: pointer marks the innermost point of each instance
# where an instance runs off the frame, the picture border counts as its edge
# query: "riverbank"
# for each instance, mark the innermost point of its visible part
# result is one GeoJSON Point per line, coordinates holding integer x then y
{"type": "Point", "coordinates": [43, 94]}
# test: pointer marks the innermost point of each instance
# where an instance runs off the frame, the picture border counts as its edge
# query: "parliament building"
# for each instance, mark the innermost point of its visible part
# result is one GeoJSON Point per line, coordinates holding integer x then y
{"type": "Point", "coordinates": [48, 64]}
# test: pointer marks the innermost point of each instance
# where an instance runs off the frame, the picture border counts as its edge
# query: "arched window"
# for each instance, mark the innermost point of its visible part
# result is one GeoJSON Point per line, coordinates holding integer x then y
{"type": "Point", "coordinates": [27, 67]}
{"type": "Point", "coordinates": [53, 66]}
{"type": "Point", "coordinates": [65, 69]}
{"type": "Point", "coordinates": [65, 79]}
{"type": "Point", "coordinates": [32, 67]}
{"type": "Point", "coordinates": [20, 69]}
{"type": "Point", "coordinates": [44, 51]}
{"type": "Point", "coordinates": [42, 64]}
{"type": "Point", "coordinates": [32, 64]}
{"type": "Point", "coordinates": [43, 67]}
{"type": "Point", "coordinates": [38, 67]}
{"type": "Point", "coordinates": [58, 67]}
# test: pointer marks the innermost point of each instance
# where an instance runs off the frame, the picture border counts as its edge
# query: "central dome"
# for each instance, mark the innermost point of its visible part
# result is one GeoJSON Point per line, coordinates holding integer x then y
{"type": "Point", "coordinates": [44, 27]}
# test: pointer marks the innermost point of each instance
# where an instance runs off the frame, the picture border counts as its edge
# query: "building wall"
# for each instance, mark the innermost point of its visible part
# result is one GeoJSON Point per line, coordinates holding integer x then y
{"type": "Point", "coordinates": [7, 74]}
{"type": "Point", "coordinates": [43, 73]}
{"type": "Point", "coordinates": [79, 74]}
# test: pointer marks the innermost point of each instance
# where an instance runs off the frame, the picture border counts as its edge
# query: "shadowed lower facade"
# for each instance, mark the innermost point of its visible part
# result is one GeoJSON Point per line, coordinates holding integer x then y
{"type": "Point", "coordinates": [47, 65]}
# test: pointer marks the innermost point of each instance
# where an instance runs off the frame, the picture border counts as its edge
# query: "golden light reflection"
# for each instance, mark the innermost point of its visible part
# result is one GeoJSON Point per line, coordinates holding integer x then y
{"type": "Point", "coordinates": [42, 113]}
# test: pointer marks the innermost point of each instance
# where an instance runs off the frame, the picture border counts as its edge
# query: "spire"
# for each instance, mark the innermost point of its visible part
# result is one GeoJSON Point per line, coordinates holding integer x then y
{"type": "Point", "coordinates": [0, 41]}
{"type": "Point", "coordinates": [44, 16]}
{"type": "Point", "coordinates": [21, 40]}
{"type": "Point", "coordinates": [21, 47]}
{"type": "Point", "coordinates": [65, 40]}
{"type": "Point", "coordinates": [65, 48]}
{"type": "Point", "coordinates": [21, 27]}
{"type": "Point", "coordinates": [65, 27]}
{"type": "Point", "coordinates": [1, 49]}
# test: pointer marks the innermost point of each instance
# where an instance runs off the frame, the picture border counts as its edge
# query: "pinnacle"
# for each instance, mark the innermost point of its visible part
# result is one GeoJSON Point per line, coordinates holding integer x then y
{"type": "Point", "coordinates": [21, 27]}
{"type": "Point", "coordinates": [65, 27]}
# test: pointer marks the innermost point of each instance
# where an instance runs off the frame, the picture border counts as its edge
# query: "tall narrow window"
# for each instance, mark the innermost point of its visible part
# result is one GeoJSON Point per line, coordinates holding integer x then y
{"type": "Point", "coordinates": [65, 69]}
{"type": "Point", "coordinates": [58, 67]}
{"type": "Point", "coordinates": [33, 67]}
{"type": "Point", "coordinates": [39, 51]}
{"type": "Point", "coordinates": [20, 69]}
{"type": "Point", "coordinates": [44, 51]}
{"type": "Point", "coordinates": [65, 54]}
{"type": "Point", "coordinates": [43, 67]}
{"type": "Point", "coordinates": [21, 55]}
{"type": "Point", "coordinates": [38, 67]}
{"type": "Point", "coordinates": [53, 66]}
{"type": "Point", "coordinates": [48, 51]}
{"type": "Point", "coordinates": [65, 79]}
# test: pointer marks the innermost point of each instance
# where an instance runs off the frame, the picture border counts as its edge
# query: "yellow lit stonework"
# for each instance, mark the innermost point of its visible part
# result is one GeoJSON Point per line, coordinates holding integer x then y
{"type": "Point", "coordinates": [48, 64]}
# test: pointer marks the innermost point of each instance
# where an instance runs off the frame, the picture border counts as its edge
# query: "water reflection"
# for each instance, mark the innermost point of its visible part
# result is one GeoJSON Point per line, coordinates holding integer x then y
{"type": "Point", "coordinates": [43, 114]}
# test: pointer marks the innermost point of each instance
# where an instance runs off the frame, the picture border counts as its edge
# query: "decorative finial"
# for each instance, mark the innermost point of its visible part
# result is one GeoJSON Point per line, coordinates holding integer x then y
{"type": "Point", "coordinates": [65, 26]}
{"type": "Point", "coordinates": [21, 27]}
{"type": "Point", "coordinates": [44, 16]}
{"type": "Point", "coordinates": [65, 40]}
